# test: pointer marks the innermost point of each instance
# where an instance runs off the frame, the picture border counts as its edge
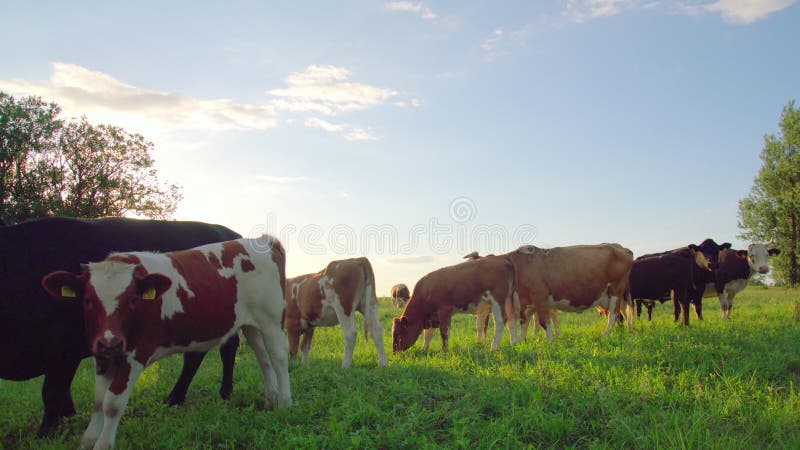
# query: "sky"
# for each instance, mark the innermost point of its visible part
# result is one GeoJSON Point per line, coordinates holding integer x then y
{"type": "Point", "coordinates": [416, 132]}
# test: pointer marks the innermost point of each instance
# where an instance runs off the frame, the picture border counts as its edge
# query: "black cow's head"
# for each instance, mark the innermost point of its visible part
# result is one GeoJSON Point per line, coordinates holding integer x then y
{"type": "Point", "coordinates": [707, 253]}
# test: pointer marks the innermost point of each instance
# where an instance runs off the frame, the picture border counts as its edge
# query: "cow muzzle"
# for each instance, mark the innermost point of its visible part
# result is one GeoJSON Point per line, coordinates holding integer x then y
{"type": "Point", "coordinates": [763, 269]}
{"type": "Point", "coordinates": [111, 349]}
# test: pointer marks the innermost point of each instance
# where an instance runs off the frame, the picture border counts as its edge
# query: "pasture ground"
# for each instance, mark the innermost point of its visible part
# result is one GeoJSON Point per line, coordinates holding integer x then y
{"type": "Point", "coordinates": [715, 384]}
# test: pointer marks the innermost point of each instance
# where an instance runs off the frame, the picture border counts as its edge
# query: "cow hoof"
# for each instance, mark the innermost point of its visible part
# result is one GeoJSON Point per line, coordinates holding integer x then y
{"type": "Point", "coordinates": [46, 430]}
{"type": "Point", "coordinates": [175, 400]}
{"type": "Point", "coordinates": [225, 393]}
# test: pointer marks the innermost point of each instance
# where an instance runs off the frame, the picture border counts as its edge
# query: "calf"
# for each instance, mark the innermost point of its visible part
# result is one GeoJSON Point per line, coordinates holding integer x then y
{"type": "Point", "coordinates": [400, 295]}
{"type": "Point", "coordinates": [572, 278]}
{"type": "Point", "coordinates": [140, 307]}
{"type": "Point", "coordinates": [41, 337]}
{"type": "Point", "coordinates": [331, 297]}
{"type": "Point", "coordinates": [465, 287]}
{"type": "Point", "coordinates": [734, 271]}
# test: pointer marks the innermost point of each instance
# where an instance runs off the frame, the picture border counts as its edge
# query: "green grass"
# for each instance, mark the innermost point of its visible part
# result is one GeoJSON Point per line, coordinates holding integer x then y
{"type": "Point", "coordinates": [714, 385]}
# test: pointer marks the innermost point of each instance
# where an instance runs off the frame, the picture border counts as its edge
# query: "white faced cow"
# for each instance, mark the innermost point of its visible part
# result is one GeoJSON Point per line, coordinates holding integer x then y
{"type": "Point", "coordinates": [140, 307]}
{"type": "Point", "coordinates": [734, 271]}
{"type": "Point", "coordinates": [331, 297]}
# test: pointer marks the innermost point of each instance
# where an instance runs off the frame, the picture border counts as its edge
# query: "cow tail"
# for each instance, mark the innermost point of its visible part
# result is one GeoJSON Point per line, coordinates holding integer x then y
{"type": "Point", "coordinates": [371, 298]}
{"type": "Point", "coordinates": [279, 258]}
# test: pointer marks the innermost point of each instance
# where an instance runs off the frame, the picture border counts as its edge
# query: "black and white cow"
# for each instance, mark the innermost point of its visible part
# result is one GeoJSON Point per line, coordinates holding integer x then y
{"type": "Point", "coordinates": [42, 336]}
{"type": "Point", "coordinates": [734, 270]}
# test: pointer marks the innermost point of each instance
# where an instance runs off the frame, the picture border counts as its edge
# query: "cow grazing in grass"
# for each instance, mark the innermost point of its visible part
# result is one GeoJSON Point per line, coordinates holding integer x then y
{"type": "Point", "coordinates": [40, 336]}
{"type": "Point", "coordinates": [331, 297]}
{"type": "Point", "coordinates": [400, 295]}
{"type": "Point", "coordinates": [140, 307]}
{"type": "Point", "coordinates": [689, 273]}
{"type": "Point", "coordinates": [572, 278]}
{"type": "Point", "coordinates": [734, 270]}
{"type": "Point", "coordinates": [465, 287]}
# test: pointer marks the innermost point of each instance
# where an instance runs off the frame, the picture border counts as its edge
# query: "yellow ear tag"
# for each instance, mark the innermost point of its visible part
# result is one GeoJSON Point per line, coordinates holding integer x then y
{"type": "Point", "coordinates": [68, 292]}
{"type": "Point", "coordinates": [149, 294]}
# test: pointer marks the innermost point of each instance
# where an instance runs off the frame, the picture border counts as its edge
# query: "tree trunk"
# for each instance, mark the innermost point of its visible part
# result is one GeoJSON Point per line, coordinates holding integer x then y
{"type": "Point", "coordinates": [793, 275]}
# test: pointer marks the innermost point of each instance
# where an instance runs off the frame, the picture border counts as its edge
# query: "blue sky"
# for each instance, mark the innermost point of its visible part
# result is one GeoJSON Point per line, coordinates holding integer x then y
{"type": "Point", "coordinates": [431, 125]}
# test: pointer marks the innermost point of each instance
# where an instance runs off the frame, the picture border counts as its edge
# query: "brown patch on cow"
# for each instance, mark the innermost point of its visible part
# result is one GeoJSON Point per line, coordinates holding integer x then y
{"type": "Point", "coordinates": [279, 258]}
{"type": "Point", "coordinates": [126, 258]}
{"type": "Point", "coordinates": [120, 381]}
{"type": "Point", "coordinates": [230, 250]}
{"type": "Point", "coordinates": [212, 258]}
{"type": "Point", "coordinates": [247, 266]}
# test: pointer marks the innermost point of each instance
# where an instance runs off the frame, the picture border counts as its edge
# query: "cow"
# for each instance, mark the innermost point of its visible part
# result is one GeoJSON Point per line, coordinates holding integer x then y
{"type": "Point", "coordinates": [734, 270]}
{"type": "Point", "coordinates": [39, 336]}
{"type": "Point", "coordinates": [331, 297]}
{"type": "Point", "coordinates": [483, 313]}
{"type": "Point", "coordinates": [701, 261]}
{"type": "Point", "coordinates": [140, 307]}
{"type": "Point", "coordinates": [400, 295]}
{"type": "Point", "coordinates": [573, 278]}
{"type": "Point", "coordinates": [464, 287]}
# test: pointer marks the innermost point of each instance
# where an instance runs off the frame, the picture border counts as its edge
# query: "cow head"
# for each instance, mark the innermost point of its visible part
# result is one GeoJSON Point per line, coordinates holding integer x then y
{"type": "Point", "coordinates": [707, 253]}
{"type": "Point", "coordinates": [111, 293]}
{"type": "Point", "coordinates": [404, 333]}
{"type": "Point", "coordinates": [758, 257]}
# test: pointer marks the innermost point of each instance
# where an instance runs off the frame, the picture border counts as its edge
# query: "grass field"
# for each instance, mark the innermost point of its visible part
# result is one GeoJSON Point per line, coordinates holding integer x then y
{"type": "Point", "coordinates": [713, 385]}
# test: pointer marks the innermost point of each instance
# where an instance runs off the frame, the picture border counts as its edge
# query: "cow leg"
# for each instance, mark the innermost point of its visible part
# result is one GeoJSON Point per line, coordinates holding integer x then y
{"type": "Point", "coordinates": [113, 404]}
{"type": "Point", "coordinates": [638, 307]}
{"type": "Point", "coordinates": [257, 343]}
{"type": "Point", "coordinates": [482, 324]}
{"type": "Point", "coordinates": [649, 307]}
{"type": "Point", "coordinates": [101, 385]}
{"type": "Point", "coordinates": [372, 321]}
{"type": "Point", "coordinates": [428, 337]}
{"type": "Point", "coordinates": [723, 303]}
{"type": "Point", "coordinates": [444, 330]}
{"type": "Point", "coordinates": [613, 311]}
{"type": "Point", "coordinates": [227, 354]}
{"type": "Point", "coordinates": [191, 362]}
{"type": "Point", "coordinates": [293, 334]}
{"type": "Point", "coordinates": [305, 344]}
{"type": "Point", "coordinates": [277, 350]}
{"type": "Point", "coordinates": [56, 396]}
{"type": "Point", "coordinates": [497, 311]}
{"type": "Point", "coordinates": [554, 321]}
{"type": "Point", "coordinates": [350, 335]}
{"type": "Point", "coordinates": [729, 295]}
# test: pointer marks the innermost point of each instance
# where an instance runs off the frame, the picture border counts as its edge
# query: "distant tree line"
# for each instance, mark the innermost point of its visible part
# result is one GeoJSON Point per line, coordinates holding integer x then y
{"type": "Point", "coordinates": [50, 166]}
{"type": "Point", "coordinates": [771, 212]}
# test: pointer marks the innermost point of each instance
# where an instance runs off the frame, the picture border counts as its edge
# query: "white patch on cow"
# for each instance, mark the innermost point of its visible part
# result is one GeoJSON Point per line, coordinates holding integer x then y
{"type": "Point", "coordinates": [110, 279]}
{"type": "Point", "coordinates": [329, 316]}
{"type": "Point", "coordinates": [735, 286]}
{"type": "Point", "coordinates": [108, 335]}
{"type": "Point", "coordinates": [527, 249]}
{"type": "Point", "coordinates": [757, 258]}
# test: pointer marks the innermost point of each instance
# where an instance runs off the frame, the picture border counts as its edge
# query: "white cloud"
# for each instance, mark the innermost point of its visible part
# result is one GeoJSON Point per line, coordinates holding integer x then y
{"type": "Point", "coordinates": [411, 260]}
{"type": "Point", "coordinates": [325, 90]}
{"type": "Point", "coordinates": [101, 97]}
{"type": "Point", "coordinates": [416, 8]}
{"type": "Point", "coordinates": [735, 11]}
{"type": "Point", "coordinates": [491, 41]}
{"type": "Point", "coordinates": [747, 11]}
{"type": "Point", "coordinates": [350, 133]}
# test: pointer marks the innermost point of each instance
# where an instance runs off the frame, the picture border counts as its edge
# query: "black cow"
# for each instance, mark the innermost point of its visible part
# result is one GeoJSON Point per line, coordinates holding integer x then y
{"type": "Point", "coordinates": [688, 273]}
{"type": "Point", "coordinates": [40, 336]}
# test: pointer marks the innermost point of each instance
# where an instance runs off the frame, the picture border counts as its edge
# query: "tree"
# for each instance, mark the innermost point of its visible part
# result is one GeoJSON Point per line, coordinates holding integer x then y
{"type": "Point", "coordinates": [74, 168]}
{"type": "Point", "coordinates": [772, 209]}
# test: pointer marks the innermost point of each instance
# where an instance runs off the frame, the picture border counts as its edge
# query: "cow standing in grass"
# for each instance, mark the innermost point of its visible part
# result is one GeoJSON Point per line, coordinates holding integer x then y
{"type": "Point", "coordinates": [400, 295]}
{"type": "Point", "coordinates": [466, 287]}
{"type": "Point", "coordinates": [572, 278]}
{"type": "Point", "coordinates": [734, 270]}
{"type": "Point", "coordinates": [331, 297]}
{"type": "Point", "coordinates": [140, 307]}
{"type": "Point", "coordinates": [39, 336]}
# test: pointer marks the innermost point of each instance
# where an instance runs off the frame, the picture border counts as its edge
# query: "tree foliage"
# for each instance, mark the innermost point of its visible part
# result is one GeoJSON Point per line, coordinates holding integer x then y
{"type": "Point", "coordinates": [772, 209]}
{"type": "Point", "coordinates": [49, 166]}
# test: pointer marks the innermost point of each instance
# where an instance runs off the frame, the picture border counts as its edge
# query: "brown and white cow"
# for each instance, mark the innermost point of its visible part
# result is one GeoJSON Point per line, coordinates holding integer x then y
{"type": "Point", "coordinates": [574, 278]}
{"type": "Point", "coordinates": [465, 287]}
{"type": "Point", "coordinates": [400, 295]}
{"type": "Point", "coordinates": [734, 270]}
{"type": "Point", "coordinates": [331, 297]}
{"type": "Point", "coordinates": [140, 307]}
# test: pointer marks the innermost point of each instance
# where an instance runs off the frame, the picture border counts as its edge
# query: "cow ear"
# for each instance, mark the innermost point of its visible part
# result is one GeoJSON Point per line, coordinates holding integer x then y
{"type": "Point", "coordinates": [725, 246]}
{"type": "Point", "coordinates": [693, 247]}
{"type": "Point", "coordinates": [152, 286]}
{"type": "Point", "coordinates": [773, 252]}
{"type": "Point", "coordinates": [741, 253]}
{"type": "Point", "coordinates": [62, 285]}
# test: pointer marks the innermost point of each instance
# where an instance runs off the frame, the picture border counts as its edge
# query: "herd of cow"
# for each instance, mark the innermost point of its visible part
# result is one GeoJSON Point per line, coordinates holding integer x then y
{"type": "Point", "coordinates": [130, 292]}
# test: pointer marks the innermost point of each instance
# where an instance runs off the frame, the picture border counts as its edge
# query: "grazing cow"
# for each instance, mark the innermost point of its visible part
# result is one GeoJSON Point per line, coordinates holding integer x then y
{"type": "Point", "coordinates": [140, 307]}
{"type": "Point", "coordinates": [39, 336]}
{"type": "Point", "coordinates": [400, 295]}
{"type": "Point", "coordinates": [574, 279]}
{"type": "Point", "coordinates": [702, 261]}
{"type": "Point", "coordinates": [465, 287]}
{"type": "Point", "coordinates": [331, 297]}
{"type": "Point", "coordinates": [734, 270]}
